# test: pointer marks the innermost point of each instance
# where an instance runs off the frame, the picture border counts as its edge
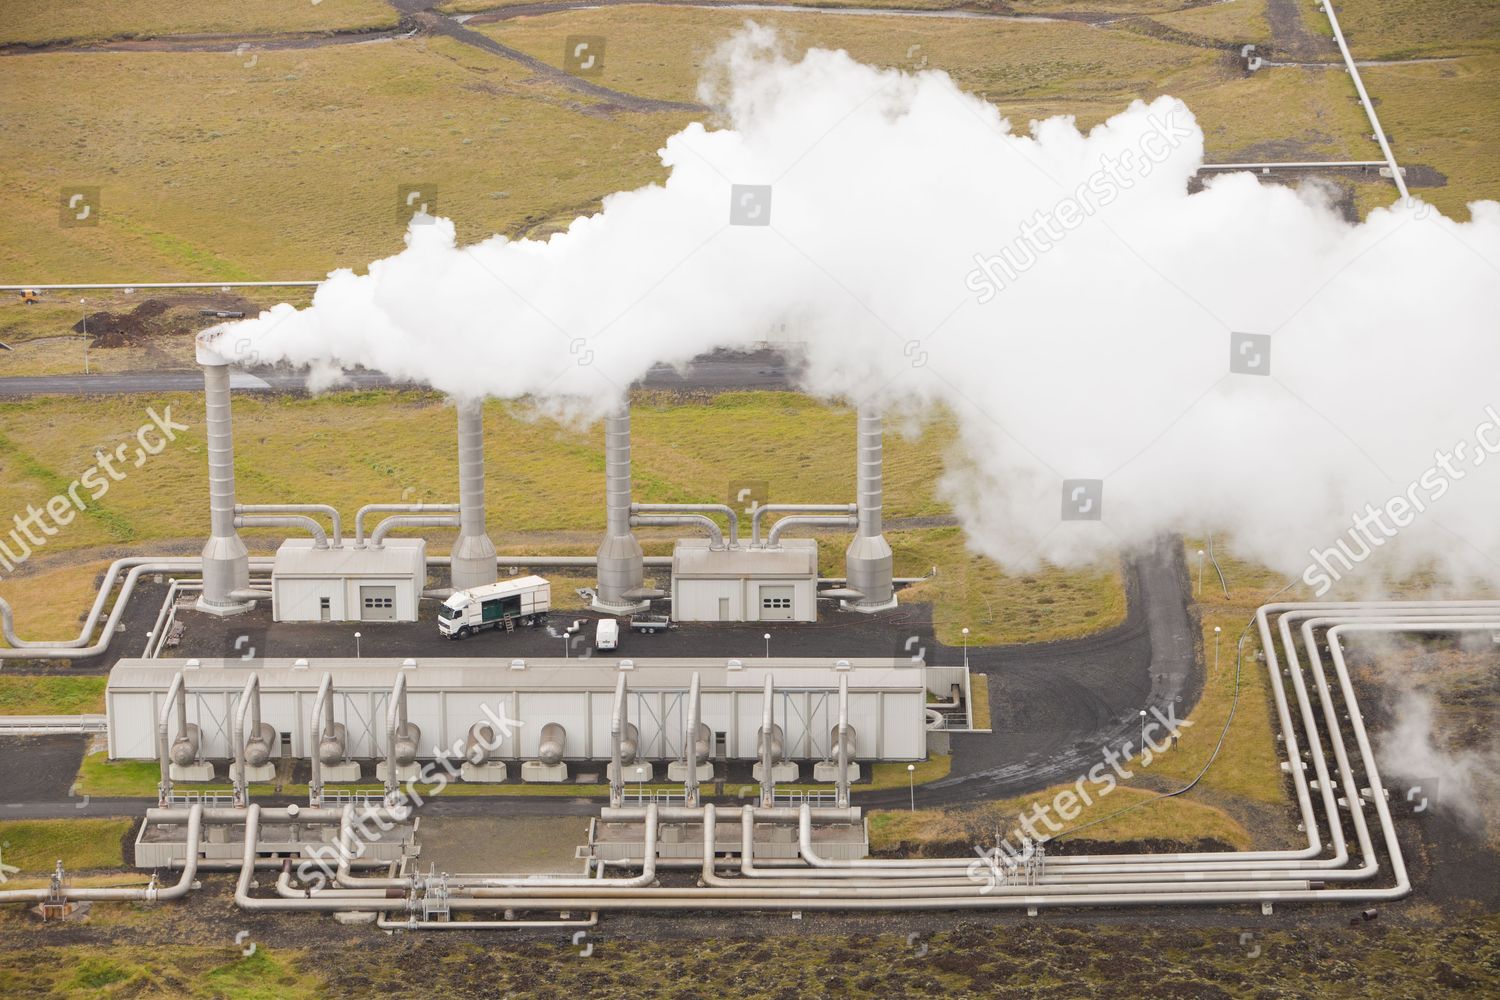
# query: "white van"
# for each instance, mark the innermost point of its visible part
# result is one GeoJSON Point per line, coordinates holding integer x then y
{"type": "Point", "coordinates": [607, 636]}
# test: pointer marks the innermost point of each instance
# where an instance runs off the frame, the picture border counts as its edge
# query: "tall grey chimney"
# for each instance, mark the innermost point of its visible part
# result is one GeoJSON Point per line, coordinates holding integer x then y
{"type": "Point", "coordinates": [473, 563]}
{"type": "Point", "coordinates": [621, 563]}
{"type": "Point", "coordinates": [226, 561]}
{"type": "Point", "coordinates": [868, 561]}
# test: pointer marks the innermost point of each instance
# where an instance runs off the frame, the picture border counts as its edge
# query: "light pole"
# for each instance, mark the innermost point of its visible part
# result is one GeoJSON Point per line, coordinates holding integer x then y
{"type": "Point", "coordinates": [767, 637]}
{"type": "Point", "coordinates": [1143, 730]}
{"type": "Point", "coordinates": [356, 645]}
{"type": "Point", "coordinates": [911, 782]}
{"type": "Point", "coordinates": [1200, 572]}
{"type": "Point", "coordinates": [1217, 630]}
{"type": "Point", "coordinates": [966, 649]}
{"type": "Point", "coordinates": [84, 304]}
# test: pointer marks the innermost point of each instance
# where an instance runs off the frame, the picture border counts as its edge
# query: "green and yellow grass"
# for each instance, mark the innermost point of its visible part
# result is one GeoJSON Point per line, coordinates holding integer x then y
{"type": "Point", "coordinates": [35, 846]}
{"type": "Point", "coordinates": [47, 694]}
{"type": "Point", "coordinates": [101, 20]}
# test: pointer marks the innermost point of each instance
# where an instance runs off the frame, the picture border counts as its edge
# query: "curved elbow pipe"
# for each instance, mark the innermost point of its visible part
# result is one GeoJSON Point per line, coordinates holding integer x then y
{"type": "Point", "coordinates": [723, 510]}
{"type": "Point", "coordinates": [708, 524]}
{"type": "Point", "coordinates": [795, 508]}
{"type": "Point", "coordinates": [396, 508]}
{"type": "Point", "coordinates": [320, 537]}
{"type": "Point", "coordinates": [377, 538]}
{"type": "Point", "coordinates": [395, 720]}
{"type": "Point", "coordinates": [322, 509]}
{"type": "Point", "coordinates": [249, 702]}
{"type": "Point", "coordinates": [848, 522]}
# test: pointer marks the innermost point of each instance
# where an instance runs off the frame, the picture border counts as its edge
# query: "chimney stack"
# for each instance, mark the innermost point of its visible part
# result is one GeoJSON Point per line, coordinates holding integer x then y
{"type": "Point", "coordinates": [868, 561]}
{"type": "Point", "coordinates": [226, 561]}
{"type": "Point", "coordinates": [473, 561]}
{"type": "Point", "coordinates": [621, 565]}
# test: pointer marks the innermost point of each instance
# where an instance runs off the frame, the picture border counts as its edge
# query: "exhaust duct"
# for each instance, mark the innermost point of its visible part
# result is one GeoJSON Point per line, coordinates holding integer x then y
{"type": "Point", "coordinates": [621, 571]}
{"type": "Point", "coordinates": [226, 561]}
{"type": "Point", "coordinates": [473, 554]}
{"type": "Point", "coordinates": [868, 561]}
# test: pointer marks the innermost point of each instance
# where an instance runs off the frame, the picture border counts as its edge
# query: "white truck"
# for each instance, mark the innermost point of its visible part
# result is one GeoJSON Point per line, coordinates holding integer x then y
{"type": "Point", "coordinates": [524, 600]}
{"type": "Point", "coordinates": [607, 634]}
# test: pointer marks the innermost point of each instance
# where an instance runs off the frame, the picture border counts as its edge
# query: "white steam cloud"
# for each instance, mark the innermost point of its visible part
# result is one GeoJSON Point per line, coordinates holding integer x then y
{"type": "Point", "coordinates": [1061, 292]}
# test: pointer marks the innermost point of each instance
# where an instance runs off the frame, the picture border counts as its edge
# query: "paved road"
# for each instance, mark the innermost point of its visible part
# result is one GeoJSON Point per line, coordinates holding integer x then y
{"type": "Point", "coordinates": [713, 372]}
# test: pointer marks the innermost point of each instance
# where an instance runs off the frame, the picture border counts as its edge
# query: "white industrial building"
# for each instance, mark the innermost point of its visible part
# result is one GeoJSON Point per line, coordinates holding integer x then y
{"type": "Point", "coordinates": [887, 700]}
{"type": "Point", "coordinates": [745, 584]}
{"type": "Point", "coordinates": [348, 583]}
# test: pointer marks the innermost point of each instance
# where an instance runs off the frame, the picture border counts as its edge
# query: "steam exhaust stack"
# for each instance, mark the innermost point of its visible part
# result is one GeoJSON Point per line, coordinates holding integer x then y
{"type": "Point", "coordinates": [868, 561]}
{"type": "Point", "coordinates": [226, 561]}
{"type": "Point", "coordinates": [621, 565]}
{"type": "Point", "coordinates": [473, 553]}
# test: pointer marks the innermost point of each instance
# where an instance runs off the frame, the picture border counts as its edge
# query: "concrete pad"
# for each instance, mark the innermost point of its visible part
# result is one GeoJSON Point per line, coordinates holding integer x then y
{"type": "Point", "coordinates": [535, 770]}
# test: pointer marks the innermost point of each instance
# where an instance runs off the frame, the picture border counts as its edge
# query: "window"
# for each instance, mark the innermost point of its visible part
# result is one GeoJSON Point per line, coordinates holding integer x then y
{"type": "Point", "coordinates": [782, 603]}
{"type": "Point", "coordinates": [380, 602]}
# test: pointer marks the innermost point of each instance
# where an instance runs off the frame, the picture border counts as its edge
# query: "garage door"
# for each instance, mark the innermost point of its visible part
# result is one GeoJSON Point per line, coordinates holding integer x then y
{"type": "Point", "coordinates": [377, 604]}
{"type": "Point", "coordinates": [776, 604]}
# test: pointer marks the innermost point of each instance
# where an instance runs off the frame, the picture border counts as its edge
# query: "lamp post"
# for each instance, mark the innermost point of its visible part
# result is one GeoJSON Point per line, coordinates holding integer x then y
{"type": "Point", "coordinates": [1143, 730]}
{"type": "Point", "coordinates": [911, 782]}
{"type": "Point", "coordinates": [966, 649]}
{"type": "Point", "coordinates": [356, 645]}
{"type": "Point", "coordinates": [1200, 572]}
{"type": "Point", "coordinates": [84, 304]}
{"type": "Point", "coordinates": [1217, 630]}
{"type": "Point", "coordinates": [767, 637]}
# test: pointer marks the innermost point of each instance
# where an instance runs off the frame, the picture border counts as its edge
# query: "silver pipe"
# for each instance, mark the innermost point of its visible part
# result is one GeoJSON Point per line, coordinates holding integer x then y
{"type": "Point", "coordinates": [794, 508]}
{"type": "Point", "coordinates": [703, 508]}
{"type": "Point", "coordinates": [326, 510]}
{"type": "Point", "coordinates": [249, 701]}
{"type": "Point", "coordinates": [617, 725]}
{"type": "Point", "coordinates": [473, 559]}
{"type": "Point", "coordinates": [149, 894]}
{"type": "Point", "coordinates": [767, 731]}
{"type": "Point", "coordinates": [396, 508]}
{"type": "Point", "coordinates": [842, 788]}
{"type": "Point", "coordinates": [395, 719]}
{"type": "Point", "coordinates": [690, 745]}
{"type": "Point", "coordinates": [708, 524]}
{"type": "Point", "coordinates": [176, 693]}
{"type": "Point", "coordinates": [847, 522]}
{"type": "Point", "coordinates": [320, 537]}
{"type": "Point", "coordinates": [322, 725]}
{"type": "Point", "coordinates": [377, 537]}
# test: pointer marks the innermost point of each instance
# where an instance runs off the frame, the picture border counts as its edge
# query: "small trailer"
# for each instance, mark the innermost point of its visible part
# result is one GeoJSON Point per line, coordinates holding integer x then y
{"type": "Point", "coordinates": [524, 600]}
{"type": "Point", "coordinates": [652, 623]}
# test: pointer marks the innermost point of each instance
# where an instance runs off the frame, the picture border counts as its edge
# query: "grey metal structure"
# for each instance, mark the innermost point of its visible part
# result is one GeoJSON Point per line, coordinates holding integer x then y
{"type": "Point", "coordinates": [868, 561]}
{"type": "Point", "coordinates": [621, 571]}
{"type": "Point", "coordinates": [473, 561]}
{"type": "Point", "coordinates": [226, 561]}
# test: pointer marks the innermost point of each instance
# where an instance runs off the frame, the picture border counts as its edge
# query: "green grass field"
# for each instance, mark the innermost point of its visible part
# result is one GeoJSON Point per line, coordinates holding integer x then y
{"type": "Point", "coordinates": [34, 846]}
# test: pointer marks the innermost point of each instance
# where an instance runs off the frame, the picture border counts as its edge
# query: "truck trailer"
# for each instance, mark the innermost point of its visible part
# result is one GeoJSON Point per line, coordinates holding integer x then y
{"type": "Point", "coordinates": [522, 601]}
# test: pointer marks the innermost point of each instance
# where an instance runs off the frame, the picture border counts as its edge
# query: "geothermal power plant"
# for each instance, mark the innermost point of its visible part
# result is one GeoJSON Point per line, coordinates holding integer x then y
{"type": "Point", "coordinates": [662, 736]}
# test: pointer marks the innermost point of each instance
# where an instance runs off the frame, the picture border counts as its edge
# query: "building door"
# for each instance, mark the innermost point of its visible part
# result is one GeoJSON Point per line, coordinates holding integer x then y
{"type": "Point", "coordinates": [776, 603]}
{"type": "Point", "coordinates": [325, 609]}
{"type": "Point", "coordinates": [723, 610]}
{"type": "Point", "coordinates": [377, 604]}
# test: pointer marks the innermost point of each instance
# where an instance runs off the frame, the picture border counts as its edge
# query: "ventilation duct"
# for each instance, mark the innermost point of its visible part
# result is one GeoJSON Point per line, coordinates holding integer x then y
{"type": "Point", "coordinates": [473, 554]}
{"type": "Point", "coordinates": [868, 560]}
{"type": "Point", "coordinates": [621, 569]}
{"type": "Point", "coordinates": [226, 561]}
